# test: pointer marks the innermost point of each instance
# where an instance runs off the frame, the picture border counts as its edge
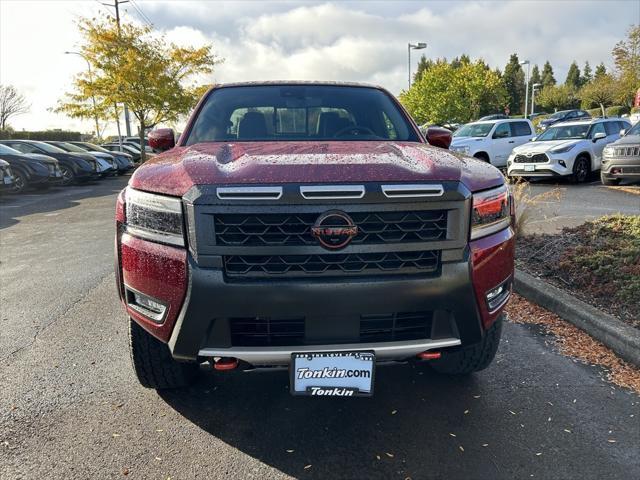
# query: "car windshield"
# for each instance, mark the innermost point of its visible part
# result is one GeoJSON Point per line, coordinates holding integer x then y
{"type": "Point", "coordinates": [70, 147]}
{"type": "Point", "coordinates": [48, 148]}
{"type": "Point", "coordinates": [564, 132]}
{"type": "Point", "coordinates": [300, 112]}
{"type": "Point", "coordinates": [635, 130]}
{"type": "Point", "coordinates": [559, 114]}
{"type": "Point", "coordinates": [474, 130]}
{"type": "Point", "coordinates": [90, 147]}
{"type": "Point", "coordinates": [8, 150]}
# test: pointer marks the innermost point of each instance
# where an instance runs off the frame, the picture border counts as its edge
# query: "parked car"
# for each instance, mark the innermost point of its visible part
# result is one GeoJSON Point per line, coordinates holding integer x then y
{"type": "Point", "coordinates": [568, 149]}
{"type": "Point", "coordinates": [135, 141]}
{"type": "Point", "coordinates": [336, 237]}
{"type": "Point", "coordinates": [495, 116]}
{"type": "Point", "coordinates": [492, 140]}
{"type": "Point", "coordinates": [129, 149]}
{"type": "Point", "coordinates": [124, 161]}
{"type": "Point", "coordinates": [75, 167]}
{"type": "Point", "coordinates": [106, 163]}
{"type": "Point", "coordinates": [621, 159]}
{"type": "Point", "coordinates": [563, 116]}
{"type": "Point", "coordinates": [7, 179]}
{"type": "Point", "coordinates": [31, 170]}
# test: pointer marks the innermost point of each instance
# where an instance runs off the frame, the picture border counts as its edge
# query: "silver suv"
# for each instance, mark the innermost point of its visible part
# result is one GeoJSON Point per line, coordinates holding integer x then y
{"type": "Point", "coordinates": [621, 159]}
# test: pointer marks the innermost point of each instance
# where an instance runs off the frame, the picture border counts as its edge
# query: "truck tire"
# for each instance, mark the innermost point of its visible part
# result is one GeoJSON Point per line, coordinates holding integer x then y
{"type": "Point", "coordinates": [153, 364]}
{"type": "Point", "coordinates": [472, 358]}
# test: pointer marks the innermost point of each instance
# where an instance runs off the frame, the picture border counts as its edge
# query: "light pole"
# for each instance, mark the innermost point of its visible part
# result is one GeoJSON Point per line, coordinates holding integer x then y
{"type": "Point", "coordinates": [533, 96]}
{"type": "Point", "coordinates": [93, 98]}
{"type": "Point", "coordinates": [526, 93]}
{"type": "Point", "coordinates": [413, 46]}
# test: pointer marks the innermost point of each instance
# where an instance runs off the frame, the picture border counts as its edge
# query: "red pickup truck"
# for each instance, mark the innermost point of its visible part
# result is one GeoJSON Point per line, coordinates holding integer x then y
{"type": "Point", "coordinates": [311, 226]}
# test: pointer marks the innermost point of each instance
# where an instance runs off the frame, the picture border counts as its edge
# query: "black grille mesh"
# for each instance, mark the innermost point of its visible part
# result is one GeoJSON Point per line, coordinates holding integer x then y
{"type": "Point", "coordinates": [273, 229]}
{"type": "Point", "coordinates": [333, 264]}
{"type": "Point", "coordinates": [536, 158]}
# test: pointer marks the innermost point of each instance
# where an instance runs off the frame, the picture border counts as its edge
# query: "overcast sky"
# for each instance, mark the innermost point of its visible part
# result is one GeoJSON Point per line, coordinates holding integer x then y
{"type": "Point", "coordinates": [363, 41]}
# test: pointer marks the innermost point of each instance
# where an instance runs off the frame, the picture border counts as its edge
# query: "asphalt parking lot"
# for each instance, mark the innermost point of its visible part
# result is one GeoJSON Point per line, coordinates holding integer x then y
{"type": "Point", "coordinates": [70, 406]}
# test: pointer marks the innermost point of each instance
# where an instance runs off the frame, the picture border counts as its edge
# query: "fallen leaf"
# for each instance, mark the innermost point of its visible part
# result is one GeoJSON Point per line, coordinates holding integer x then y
{"type": "Point", "coordinates": [125, 471]}
{"type": "Point", "coordinates": [290, 451]}
{"type": "Point", "coordinates": [538, 454]}
{"type": "Point", "coordinates": [461, 449]}
{"type": "Point", "coordinates": [485, 444]}
{"type": "Point", "coordinates": [512, 412]}
{"type": "Point", "coordinates": [549, 419]}
{"type": "Point", "coordinates": [611, 440]}
{"type": "Point", "coordinates": [476, 396]}
{"type": "Point", "coordinates": [307, 467]}
{"type": "Point", "coordinates": [159, 430]}
{"type": "Point", "coordinates": [158, 458]}
{"type": "Point", "coordinates": [466, 412]}
{"type": "Point", "coordinates": [566, 430]}
{"type": "Point", "coordinates": [393, 412]}
{"type": "Point", "coordinates": [452, 434]}
{"type": "Point", "coordinates": [378, 457]}
{"type": "Point", "coordinates": [550, 403]}
{"type": "Point", "coordinates": [115, 435]}
{"type": "Point", "coordinates": [390, 455]}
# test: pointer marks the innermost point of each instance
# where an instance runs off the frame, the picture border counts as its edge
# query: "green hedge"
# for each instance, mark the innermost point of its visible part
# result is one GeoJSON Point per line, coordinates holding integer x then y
{"type": "Point", "coordinates": [617, 111]}
{"type": "Point", "coordinates": [595, 112]}
{"type": "Point", "coordinates": [56, 135]}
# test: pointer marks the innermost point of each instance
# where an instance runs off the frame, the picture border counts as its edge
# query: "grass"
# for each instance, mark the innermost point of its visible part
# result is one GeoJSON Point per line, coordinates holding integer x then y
{"type": "Point", "coordinates": [526, 202]}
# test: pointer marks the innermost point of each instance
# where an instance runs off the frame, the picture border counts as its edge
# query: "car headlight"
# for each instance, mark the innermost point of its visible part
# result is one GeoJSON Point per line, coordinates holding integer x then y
{"type": "Point", "coordinates": [461, 149]}
{"type": "Point", "coordinates": [154, 217]}
{"type": "Point", "coordinates": [562, 149]}
{"type": "Point", "coordinates": [491, 212]}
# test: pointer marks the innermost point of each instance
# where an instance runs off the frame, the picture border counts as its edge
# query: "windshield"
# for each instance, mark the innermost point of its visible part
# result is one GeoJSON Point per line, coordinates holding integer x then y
{"type": "Point", "coordinates": [474, 130]}
{"type": "Point", "coordinates": [564, 132]}
{"type": "Point", "coordinates": [8, 150]}
{"type": "Point", "coordinates": [48, 148]}
{"type": "Point", "coordinates": [559, 114]}
{"type": "Point", "coordinates": [90, 147]}
{"type": "Point", "coordinates": [300, 112]}
{"type": "Point", "coordinates": [70, 148]}
{"type": "Point", "coordinates": [635, 130]}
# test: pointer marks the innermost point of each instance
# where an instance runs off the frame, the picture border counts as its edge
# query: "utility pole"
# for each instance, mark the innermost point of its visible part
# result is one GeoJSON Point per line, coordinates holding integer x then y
{"type": "Point", "coordinates": [116, 5]}
{"type": "Point", "coordinates": [526, 91]}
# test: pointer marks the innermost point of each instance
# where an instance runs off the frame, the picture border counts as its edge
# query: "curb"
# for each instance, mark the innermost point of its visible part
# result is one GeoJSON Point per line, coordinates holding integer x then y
{"type": "Point", "coordinates": [623, 339]}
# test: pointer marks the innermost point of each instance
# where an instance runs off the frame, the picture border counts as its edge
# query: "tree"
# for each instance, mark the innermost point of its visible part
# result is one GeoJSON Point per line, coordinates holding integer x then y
{"type": "Point", "coordinates": [626, 58]}
{"type": "Point", "coordinates": [587, 75]}
{"type": "Point", "coordinates": [600, 71]}
{"type": "Point", "coordinates": [547, 77]}
{"type": "Point", "coordinates": [513, 79]}
{"type": "Point", "coordinates": [535, 75]}
{"type": "Point", "coordinates": [446, 93]}
{"type": "Point", "coordinates": [423, 65]}
{"type": "Point", "coordinates": [556, 97]}
{"type": "Point", "coordinates": [135, 67]}
{"type": "Point", "coordinates": [573, 76]}
{"type": "Point", "coordinates": [601, 91]}
{"type": "Point", "coordinates": [12, 103]}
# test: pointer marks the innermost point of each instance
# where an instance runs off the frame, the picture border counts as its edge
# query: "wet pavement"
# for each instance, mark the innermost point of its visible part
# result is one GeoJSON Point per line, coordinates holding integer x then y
{"type": "Point", "coordinates": [70, 406]}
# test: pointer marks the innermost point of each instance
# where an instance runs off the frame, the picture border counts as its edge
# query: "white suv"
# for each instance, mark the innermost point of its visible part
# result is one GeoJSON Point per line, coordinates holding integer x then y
{"type": "Point", "coordinates": [493, 140]}
{"type": "Point", "coordinates": [566, 149]}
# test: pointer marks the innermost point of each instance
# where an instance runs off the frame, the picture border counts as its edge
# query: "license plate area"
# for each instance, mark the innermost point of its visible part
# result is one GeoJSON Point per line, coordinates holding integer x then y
{"type": "Point", "coordinates": [332, 374]}
{"type": "Point", "coordinates": [529, 168]}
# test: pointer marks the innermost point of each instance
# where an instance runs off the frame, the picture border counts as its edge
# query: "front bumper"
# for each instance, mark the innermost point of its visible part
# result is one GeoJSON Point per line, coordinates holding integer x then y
{"type": "Point", "coordinates": [556, 166]}
{"type": "Point", "coordinates": [624, 168]}
{"type": "Point", "coordinates": [197, 324]}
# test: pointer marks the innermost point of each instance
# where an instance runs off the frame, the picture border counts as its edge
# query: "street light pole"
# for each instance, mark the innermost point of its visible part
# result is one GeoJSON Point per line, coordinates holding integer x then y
{"type": "Point", "coordinates": [534, 87]}
{"type": "Point", "coordinates": [93, 98]}
{"type": "Point", "coordinates": [526, 93]}
{"type": "Point", "coordinates": [412, 46]}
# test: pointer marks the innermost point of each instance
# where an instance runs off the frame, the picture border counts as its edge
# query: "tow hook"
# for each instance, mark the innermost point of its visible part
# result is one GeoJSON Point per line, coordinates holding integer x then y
{"type": "Point", "coordinates": [429, 355]}
{"type": "Point", "coordinates": [225, 363]}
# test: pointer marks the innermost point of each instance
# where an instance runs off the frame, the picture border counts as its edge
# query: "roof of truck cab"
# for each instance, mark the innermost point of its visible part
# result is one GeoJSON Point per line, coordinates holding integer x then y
{"type": "Point", "coordinates": [297, 82]}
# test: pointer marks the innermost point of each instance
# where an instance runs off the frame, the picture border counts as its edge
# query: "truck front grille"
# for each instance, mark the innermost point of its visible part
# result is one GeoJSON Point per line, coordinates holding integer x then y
{"type": "Point", "coordinates": [536, 158]}
{"type": "Point", "coordinates": [290, 331]}
{"type": "Point", "coordinates": [633, 151]}
{"type": "Point", "coordinates": [274, 229]}
{"type": "Point", "coordinates": [249, 266]}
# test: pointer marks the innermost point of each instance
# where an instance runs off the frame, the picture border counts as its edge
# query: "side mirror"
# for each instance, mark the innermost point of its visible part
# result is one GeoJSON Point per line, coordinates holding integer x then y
{"type": "Point", "coordinates": [599, 136]}
{"type": "Point", "coordinates": [162, 139]}
{"type": "Point", "coordinates": [439, 137]}
{"type": "Point", "coordinates": [623, 132]}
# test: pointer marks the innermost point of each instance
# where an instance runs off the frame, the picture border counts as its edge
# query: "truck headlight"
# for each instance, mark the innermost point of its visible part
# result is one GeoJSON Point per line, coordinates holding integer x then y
{"type": "Point", "coordinates": [461, 149]}
{"type": "Point", "coordinates": [154, 217]}
{"type": "Point", "coordinates": [608, 152]}
{"type": "Point", "coordinates": [490, 212]}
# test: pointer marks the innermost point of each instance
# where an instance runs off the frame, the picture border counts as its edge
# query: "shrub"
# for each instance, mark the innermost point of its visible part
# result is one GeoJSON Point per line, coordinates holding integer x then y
{"type": "Point", "coordinates": [595, 112]}
{"type": "Point", "coordinates": [616, 111]}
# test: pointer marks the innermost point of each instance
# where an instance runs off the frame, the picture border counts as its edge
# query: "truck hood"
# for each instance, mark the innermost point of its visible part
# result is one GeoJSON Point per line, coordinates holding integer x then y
{"type": "Point", "coordinates": [176, 171]}
{"type": "Point", "coordinates": [541, 147]}
{"type": "Point", "coordinates": [627, 140]}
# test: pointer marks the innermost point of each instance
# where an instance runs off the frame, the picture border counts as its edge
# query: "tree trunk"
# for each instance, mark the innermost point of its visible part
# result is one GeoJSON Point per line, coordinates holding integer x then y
{"type": "Point", "coordinates": [143, 153]}
{"type": "Point", "coordinates": [602, 108]}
